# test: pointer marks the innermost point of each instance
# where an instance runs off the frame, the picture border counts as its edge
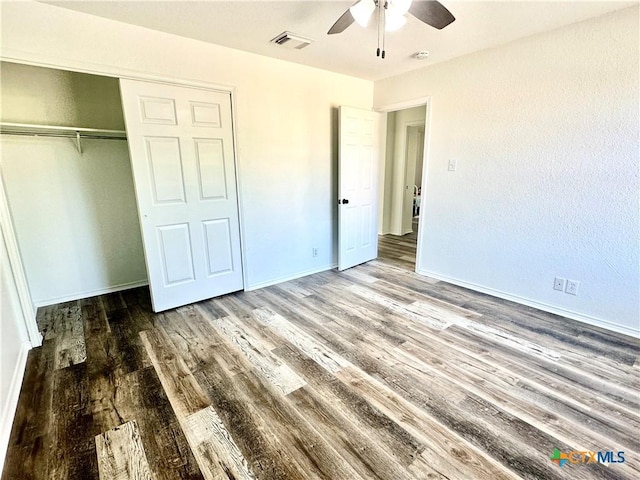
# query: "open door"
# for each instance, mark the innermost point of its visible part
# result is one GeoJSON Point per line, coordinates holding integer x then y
{"type": "Point", "coordinates": [357, 187]}
{"type": "Point", "coordinates": [183, 162]}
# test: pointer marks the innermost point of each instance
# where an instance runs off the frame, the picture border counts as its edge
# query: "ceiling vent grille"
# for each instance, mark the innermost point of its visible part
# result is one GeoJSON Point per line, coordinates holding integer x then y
{"type": "Point", "coordinates": [291, 40]}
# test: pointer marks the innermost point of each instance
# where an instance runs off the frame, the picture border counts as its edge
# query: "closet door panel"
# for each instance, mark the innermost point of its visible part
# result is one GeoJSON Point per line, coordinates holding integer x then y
{"type": "Point", "coordinates": [211, 171]}
{"type": "Point", "coordinates": [165, 166]}
{"type": "Point", "coordinates": [183, 162]}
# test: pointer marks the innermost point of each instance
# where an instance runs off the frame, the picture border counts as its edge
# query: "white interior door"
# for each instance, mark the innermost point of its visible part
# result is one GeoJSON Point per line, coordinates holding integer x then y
{"type": "Point", "coordinates": [357, 187]}
{"type": "Point", "coordinates": [183, 162]}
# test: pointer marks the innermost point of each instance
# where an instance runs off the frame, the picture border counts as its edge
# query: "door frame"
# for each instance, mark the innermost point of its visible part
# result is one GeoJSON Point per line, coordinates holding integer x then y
{"type": "Point", "coordinates": [17, 270]}
{"type": "Point", "coordinates": [393, 107]}
{"type": "Point", "coordinates": [60, 63]}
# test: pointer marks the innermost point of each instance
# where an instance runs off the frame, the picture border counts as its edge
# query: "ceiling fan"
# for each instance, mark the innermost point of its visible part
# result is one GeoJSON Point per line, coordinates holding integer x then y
{"type": "Point", "coordinates": [392, 16]}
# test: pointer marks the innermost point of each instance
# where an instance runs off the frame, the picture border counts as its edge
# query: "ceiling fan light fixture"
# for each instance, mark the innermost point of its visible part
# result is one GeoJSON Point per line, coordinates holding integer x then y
{"type": "Point", "coordinates": [361, 12]}
{"type": "Point", "coordinates": [400, 6]}
{"type": "Point", "coordinates": [393, 21]}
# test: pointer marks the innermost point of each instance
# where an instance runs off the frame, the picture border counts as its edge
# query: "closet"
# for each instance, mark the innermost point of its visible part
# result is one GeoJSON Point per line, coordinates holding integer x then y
{"type": "Point", "coordinates": [65, 166]}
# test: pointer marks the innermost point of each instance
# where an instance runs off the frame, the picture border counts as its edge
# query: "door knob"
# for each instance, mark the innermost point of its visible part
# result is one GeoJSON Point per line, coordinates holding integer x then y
{"type": "Point", "coordinates": [343, 201]}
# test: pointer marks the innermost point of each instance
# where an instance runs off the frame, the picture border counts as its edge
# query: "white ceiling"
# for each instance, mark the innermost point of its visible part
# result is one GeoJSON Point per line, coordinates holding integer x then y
{"type": "Point", "coordinates": [250, 25]}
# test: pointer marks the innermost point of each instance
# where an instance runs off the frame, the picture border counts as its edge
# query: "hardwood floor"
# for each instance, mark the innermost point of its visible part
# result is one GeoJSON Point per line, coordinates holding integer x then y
{"type": "Point", "coordinates": [374, 372]}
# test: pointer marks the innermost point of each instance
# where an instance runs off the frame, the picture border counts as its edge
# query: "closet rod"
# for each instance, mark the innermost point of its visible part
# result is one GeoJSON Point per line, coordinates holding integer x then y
{"type": "Point", "coordinates": [58, 131]}
{"type": "Point", "coordinates": [64, 132]}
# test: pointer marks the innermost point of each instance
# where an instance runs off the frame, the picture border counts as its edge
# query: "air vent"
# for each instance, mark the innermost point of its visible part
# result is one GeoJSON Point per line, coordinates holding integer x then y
{"type": "Point", "coordinates": [291, 40]}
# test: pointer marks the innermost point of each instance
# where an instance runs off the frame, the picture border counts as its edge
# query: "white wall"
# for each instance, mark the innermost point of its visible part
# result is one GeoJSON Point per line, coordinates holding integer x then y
{"type": "Point", "coordinates": [56, 97]}
{"type": "Point", "coordinates": [545, 133]}
{"type": "Point", "coordinates": [286, 122]}
{"type": "Point", "coordinates": [74, 214]}
{"type": "Point", "coordinates": [14, 345]}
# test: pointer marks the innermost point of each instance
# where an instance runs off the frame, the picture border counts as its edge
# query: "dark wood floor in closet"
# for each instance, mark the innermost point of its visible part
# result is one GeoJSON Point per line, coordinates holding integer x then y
{"type": "Point", "coordinates": [372, 373]}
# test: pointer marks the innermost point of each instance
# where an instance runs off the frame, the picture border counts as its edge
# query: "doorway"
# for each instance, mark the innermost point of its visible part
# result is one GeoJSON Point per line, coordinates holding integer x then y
{"type": "Point", "coordinates": [402, 180]}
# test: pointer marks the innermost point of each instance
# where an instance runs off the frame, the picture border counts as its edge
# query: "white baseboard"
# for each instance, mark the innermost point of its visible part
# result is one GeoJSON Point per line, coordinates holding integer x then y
{"type": "Point", "coordinates": [597, 322]}
{"type": "Point", "coordinates": [11, 402]}
{"type": "Point", "coordinates": [286, 278]}
{"type": "Point", "coordinates": [90, 293]}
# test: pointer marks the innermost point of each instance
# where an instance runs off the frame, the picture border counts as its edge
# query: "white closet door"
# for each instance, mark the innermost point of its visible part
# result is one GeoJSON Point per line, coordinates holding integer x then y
{"type": "Point", "coordinates": [182, 156]}
{"type": "Point", "coordinates": [357, 187]}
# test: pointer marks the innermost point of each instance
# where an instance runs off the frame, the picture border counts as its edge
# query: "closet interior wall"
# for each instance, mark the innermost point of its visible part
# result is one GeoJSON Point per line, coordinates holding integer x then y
{"type": "Point", "coordinates": [74, 214]}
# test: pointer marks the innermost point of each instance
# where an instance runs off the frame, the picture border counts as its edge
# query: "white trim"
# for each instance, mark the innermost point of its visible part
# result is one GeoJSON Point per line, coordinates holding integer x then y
{"type": "Point", "coordinates": [91, 293]}
{"type": "Point", "coordinates": [383, 128]}
{"type": "Point", "coordinates": [239, 196]}
{"type": "Point", "coordinates": [17, 269]}
{"type": "Point", "coordinates": [416, 102]}
{"type": "Point", "coordinates": [286, 278]}
{"type": "Point", "coordinates": [11, 402]}
{"type": "Point", "coordinates": [425, 174]}
{"type": "Point", "coordinates": [580, 317]}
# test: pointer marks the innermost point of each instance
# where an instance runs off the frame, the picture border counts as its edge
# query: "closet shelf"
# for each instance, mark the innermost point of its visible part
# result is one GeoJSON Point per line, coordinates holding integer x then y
{"type": "Point", "coordinates": [64, 132]}
{"type": "Point", "coordinates": [57, 131]}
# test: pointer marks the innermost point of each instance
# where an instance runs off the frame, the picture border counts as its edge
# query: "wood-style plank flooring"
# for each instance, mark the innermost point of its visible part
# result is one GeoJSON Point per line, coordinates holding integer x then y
{"type": "Point", "coordinates": [372, 373]}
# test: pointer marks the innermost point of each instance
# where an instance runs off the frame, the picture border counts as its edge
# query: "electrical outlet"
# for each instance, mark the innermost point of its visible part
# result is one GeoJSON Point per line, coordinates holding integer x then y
{"type": "Point", "coordinates": [314, 251]}
{"type": "Point", "coordinates": [572, 287]}
{"type": "Point", "coordinates": [452, 164]}
{"type": "Point", "coordinates": [558, 284]}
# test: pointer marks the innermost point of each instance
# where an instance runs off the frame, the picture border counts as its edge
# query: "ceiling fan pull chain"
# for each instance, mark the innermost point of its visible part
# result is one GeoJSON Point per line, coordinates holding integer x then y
{"type": "Point", "coordinates": [378, 8]}
{"type": "Point", "coordinates": [383, 12]}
